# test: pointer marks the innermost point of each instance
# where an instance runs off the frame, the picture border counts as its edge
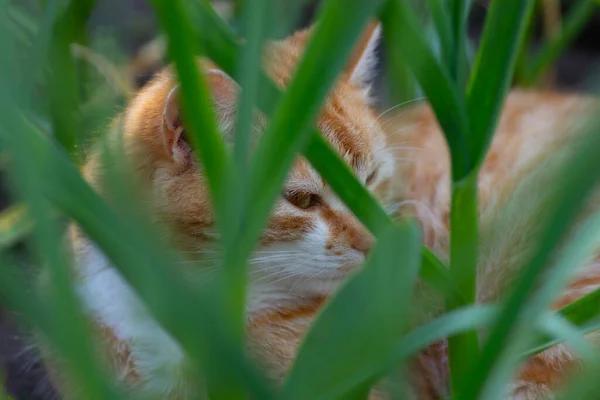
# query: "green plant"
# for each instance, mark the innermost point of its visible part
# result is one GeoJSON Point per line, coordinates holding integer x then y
{"type": "Point", "coordinates": [45, 178]}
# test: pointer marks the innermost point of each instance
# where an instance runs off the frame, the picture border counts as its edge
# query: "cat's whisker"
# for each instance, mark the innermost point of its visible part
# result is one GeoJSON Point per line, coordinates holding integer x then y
{"type": "Point", "coordinates": [404, 129]}
{"type": "Point", "coordinates": [306, 263]}
{"type": "Point", "coordinates": [404, 148]}
{"type": "Point", "coordinates": [399, 105]}
{"type": "Point", "coordinates": [391, 119]}
{"type": "Point", "coordinates": [402, 159]}
{"type": "Point", "coordinates": [293, 257]}
{"type": "Point", "coordinates": [283, 276]}
{"type": "Point", "coordinates": [296, 257]}
{"type": "Point", "coordinates": [307, 279]}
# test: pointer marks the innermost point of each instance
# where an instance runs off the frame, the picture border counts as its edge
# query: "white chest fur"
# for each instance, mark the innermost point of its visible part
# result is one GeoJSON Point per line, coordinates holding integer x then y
{"type": "Point", "coordinates": [158, 360]}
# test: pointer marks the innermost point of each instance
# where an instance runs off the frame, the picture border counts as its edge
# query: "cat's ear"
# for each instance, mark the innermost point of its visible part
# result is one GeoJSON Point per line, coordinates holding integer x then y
{"type": "Point", "coordinates": [224, 93]}
{"type": "Point", "coordinates": [361, 67]}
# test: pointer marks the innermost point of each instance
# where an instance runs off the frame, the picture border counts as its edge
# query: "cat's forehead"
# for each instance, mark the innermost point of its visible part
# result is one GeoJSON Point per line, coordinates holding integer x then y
{"type": "Point", "coordinates": [349, 125]}
{"type": "Point", "coordinates": [345, 120]}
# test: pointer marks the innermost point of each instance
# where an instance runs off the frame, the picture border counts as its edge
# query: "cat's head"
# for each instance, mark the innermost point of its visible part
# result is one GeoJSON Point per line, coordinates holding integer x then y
{"type": "Point", "coordinates": [312, 240]}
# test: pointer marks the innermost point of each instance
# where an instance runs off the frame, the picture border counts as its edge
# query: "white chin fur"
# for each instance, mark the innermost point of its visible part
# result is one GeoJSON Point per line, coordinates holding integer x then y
{"type": "Point", "coordinates": [281, 274]}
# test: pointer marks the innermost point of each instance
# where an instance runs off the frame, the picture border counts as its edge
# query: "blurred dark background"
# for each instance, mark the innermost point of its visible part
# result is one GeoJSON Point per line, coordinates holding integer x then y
{"type": "Point", "coordinates": [131, 29]}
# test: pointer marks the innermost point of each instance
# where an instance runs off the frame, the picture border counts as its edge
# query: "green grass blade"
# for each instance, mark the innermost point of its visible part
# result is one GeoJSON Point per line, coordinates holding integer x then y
{"type": "Point", "coordinates": [214, 36]}
{"type": "Point", "coordinates": [523, 57]}
{"type": "Point", "coordinates": [373, 306]}
{"type": "Point", "coordinates": [197, 106]}
{"type": "Point", "coordinates": [492, 74]}
{"type": "Point", "coordinates": [56, 326]}
{"type": "Point", "coordinates": [499, 355]}
{"type": "Point", "coordinates": [585, 386]}
{"type": "Point", "coordinates": [584, 309]}
{"type": "Point", "coordinates": [449, 324]}
{"type": "Point", "coordinates": [504, 31]}
{"type": "Point", "coordinates": [249, 74]}
{"type": "Point", "coordinates": [548, 341]}
{"type": "Point", "coordinates": [558, 327]}
{"type": "Point", "coordinates": [407, 43]}
{"type": "Point", "coordinates": [459, 11]}
{"type": "Point", "coordinates": [452, 323]}
{"type": "Point", "coordinates": [464, 238]}
{"type": "Point", "coordinates": [74, 336]}
{"type": "Point", "coordinates": [71, 333]}
{"type": "Point", "coordinates": [583, 312]}
{"type": "Point", "coordinates": [440, 15]}
{"type": "Point", "coordinates": [210, 146]}
{"type": "Point", "coordinates": [435, 273]}
{"type": "Point", "coordinates": [15, 224]}
{"type": "Point", "coordinates": [289, 15]}
{"type": "Point", "coordinates": [63, 87]}
{"type": "Point", "coordinates": [573, 23]}
{"type": "Point", "coordinates": [40, 48]}
{"type": "Point", "coordinates": [23, 25]}
{"type": "Point", "coordinates": [223, 47]}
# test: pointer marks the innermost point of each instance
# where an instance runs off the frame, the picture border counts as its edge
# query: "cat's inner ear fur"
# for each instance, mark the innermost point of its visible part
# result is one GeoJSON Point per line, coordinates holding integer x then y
{"type": "Point", "coordinates": [223, 92]}
{"type": "Point", "coordinates": [173, 130]}
{"type": "Point", "coordinates": [361, 67]}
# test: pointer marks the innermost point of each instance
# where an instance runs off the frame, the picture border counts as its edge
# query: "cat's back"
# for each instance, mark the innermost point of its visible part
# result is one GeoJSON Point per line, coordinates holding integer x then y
{"type": "Point", "coordinates": [532, 125]}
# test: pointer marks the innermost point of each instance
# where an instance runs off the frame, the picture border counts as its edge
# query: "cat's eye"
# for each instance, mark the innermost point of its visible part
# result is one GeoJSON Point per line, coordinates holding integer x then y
{"type": "Point", "coordinates": [371, 177]}
{"type": "Point", "coordinates": [303, 200]}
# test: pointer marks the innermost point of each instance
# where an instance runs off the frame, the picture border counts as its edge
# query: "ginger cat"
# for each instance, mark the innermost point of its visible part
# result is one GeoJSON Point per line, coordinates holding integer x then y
{"type": "Point", "coordinates": [312, 241]}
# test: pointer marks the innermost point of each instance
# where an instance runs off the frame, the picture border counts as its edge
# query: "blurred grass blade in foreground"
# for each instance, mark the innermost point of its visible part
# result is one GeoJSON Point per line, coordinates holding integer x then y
{"type": "Point", "coordinates": [15, 224]}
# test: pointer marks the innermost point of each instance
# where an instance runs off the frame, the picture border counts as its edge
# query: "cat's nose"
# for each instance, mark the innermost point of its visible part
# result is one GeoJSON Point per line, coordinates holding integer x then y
{"type": "Point", "coordinates": [363, 242]}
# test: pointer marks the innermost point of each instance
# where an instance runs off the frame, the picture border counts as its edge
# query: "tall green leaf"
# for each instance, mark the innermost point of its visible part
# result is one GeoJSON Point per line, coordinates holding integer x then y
{"type": "Point", "coordinates": [210, 146]}
{"type": "Point", "coordinates": [197, 107]}
{"type": "Point", "coordinates": [63, 87]}
{"type": "Point", "coordinates": [441, 18]}
{"type": "Point", "coordinates": [583, 386]}
{"type": "Point", "coordinates": [40, 48]}
{"type": "Point", "coordinates": [70, 334]}
{"type": "Point", "coordinates": [459, 11]}
{"type": "Point", "coordinates": [558, 327]}
{"type": "Point", "coordinates": [60, 328]}
{"type": "Point", "coordinates": [15, 224]}
{"type": "Point", "coordinates": [464, 237]}
{"type": "Point", "coordinates": [573, 23]}
{"type": "Point", "coordinates": [492, 74]}
{"type": "Point", "coordinates": [406, 41]}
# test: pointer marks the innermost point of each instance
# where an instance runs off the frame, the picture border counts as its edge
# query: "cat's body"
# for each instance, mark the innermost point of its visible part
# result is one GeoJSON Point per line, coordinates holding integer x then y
{"type": "Point", "coordinates": [536, 132]}
{"type": "Point", "coordinates": [312, 241]}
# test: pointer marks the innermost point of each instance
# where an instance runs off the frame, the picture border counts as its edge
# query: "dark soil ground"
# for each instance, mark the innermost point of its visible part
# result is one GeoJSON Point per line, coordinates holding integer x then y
{"type": "Point", "coordinates": [25, 378]}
